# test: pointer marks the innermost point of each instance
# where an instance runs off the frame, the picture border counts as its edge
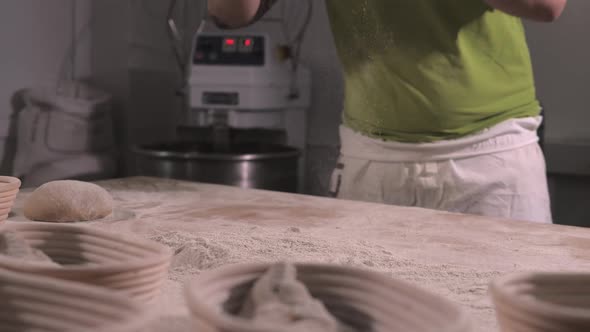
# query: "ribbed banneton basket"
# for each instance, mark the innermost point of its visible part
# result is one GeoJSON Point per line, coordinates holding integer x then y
{"type": "Point", "coordinates": [41, 304]}
{"type": "Point", "coordinates": [542, 302]}
{"type": "Point", "coordinates": [136, 267]}
{"type": "Point", "coordinates": [363, 300]}
{"type": "Point", "coordinates": [9, 188]}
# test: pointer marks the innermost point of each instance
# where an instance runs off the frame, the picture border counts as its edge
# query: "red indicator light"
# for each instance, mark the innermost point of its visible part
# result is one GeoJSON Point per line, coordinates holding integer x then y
{"type": "Point", "coordinates": [230, 42]}
{"type": "Point", "coordinates": [248, 42]}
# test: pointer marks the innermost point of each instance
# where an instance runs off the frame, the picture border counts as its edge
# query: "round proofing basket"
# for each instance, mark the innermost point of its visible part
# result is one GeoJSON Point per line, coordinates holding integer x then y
{"type": "Point", "coordinates": [9, 188]}
{"type": "Point", "coordinates": [8, 183]}
{"type": "Point", "coordinates": [543, 302]}
{"type": "Point", "coordinates": [363, 300]}
{"type": "Point", "coordinates": [41, 304]}
{"type": "Point", "coordinates": [8, 195]}
{"type": "Point", "coordinates": [91, 256]}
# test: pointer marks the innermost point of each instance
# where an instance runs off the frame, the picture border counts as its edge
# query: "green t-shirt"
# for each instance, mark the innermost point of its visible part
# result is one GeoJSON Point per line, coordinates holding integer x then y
{"type": "Point", "coordinates": [427, 70]}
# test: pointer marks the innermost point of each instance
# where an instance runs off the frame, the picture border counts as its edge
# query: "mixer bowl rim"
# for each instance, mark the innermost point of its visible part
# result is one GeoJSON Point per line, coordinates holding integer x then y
{"type": "Point", "coordinates": [145, 151]}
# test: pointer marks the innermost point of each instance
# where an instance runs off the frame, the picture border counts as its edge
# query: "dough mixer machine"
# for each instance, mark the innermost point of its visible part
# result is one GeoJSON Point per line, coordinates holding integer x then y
{"type": "Point", "coordinates": [244, 120]}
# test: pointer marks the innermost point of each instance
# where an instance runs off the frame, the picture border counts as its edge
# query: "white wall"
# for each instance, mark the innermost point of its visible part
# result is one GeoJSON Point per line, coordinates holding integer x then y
{"type": "Point", "coordinates": [154, 74]}
{"type": "Point", "coordinates": [110, 31]}
{"type": "Point", "coordinates": [35, 36]}
{"type": "Point", "coordinates": [319, 54]}
{"type": "Point", "coordinates": [561, 58]}
{"type": "Point", "coordinates": [132, 59]}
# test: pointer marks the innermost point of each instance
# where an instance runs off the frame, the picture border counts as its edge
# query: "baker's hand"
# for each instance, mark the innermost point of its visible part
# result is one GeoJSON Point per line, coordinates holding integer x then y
{"type": "Point", "coordinates": [236, 13]}
{"type": "Point", "coordinates": [537, 10]}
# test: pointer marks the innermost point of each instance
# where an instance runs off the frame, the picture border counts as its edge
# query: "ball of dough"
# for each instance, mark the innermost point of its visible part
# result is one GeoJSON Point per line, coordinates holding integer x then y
{"type": "Point", "coordinates": [68, 201]}
{"type": "Point", "coordinates": [280, 299]}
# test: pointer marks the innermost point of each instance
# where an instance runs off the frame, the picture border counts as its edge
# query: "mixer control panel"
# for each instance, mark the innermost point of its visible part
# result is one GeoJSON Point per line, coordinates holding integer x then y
{"type": "Point", "coordinates": [230, 50]}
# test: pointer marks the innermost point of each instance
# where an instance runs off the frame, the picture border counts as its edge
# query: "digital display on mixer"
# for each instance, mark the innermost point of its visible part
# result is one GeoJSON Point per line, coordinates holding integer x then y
{"type": "Point", "coordinates": [230, 50]}
{"type": "Point", "coordinates": [230, 45]}
{"type": "Point", "coordinates": [246, 45]}
{"type": "Point", "coordinates": [242, 45]}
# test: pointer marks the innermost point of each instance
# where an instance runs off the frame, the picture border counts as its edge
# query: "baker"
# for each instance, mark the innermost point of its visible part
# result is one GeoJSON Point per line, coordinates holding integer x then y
{"type": "Point", "coordinates": [440, 109]}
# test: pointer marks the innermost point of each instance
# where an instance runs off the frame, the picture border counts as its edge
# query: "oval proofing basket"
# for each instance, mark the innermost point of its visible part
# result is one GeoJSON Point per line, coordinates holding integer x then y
{"type": "Point", "coordinates": [363, 300]}
{"type": "Point", "coordinates": [41, 304]}
{"type": "Point", "coordinates": [9, 188]}
{"type": "Point", "coordinates": [543, 302]}
{"type": "Point", "coordinates": [136, 267]}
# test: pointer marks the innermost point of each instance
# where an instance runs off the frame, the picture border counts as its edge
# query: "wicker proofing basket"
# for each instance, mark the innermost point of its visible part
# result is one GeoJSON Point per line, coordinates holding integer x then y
{"type": "Point", "coordinates": [9, 188]}
{"type": "Point", "coordinates": [91, 256]}
{"type": "Point", "coordinates": [41, 304]}
{"type": "Point", "coordinates": [363, 300]}
{"type": "Point", "coordinates": [543, 302]}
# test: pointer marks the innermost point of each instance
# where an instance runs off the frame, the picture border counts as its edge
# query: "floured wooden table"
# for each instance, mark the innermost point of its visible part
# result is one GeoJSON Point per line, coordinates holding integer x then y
{"type": "Point", "coordinates": [452, 255]}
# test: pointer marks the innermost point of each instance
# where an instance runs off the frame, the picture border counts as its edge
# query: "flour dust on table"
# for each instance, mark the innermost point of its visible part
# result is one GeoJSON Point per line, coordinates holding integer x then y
{"type": "Point", "coordinates": [243, 243]}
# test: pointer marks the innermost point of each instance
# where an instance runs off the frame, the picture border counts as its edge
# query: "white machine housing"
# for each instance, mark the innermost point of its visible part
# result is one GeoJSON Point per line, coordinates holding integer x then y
{"type": "Point", "coordinates": [257, 95]}
{"type": "Point", "coordinates": [264, 90]}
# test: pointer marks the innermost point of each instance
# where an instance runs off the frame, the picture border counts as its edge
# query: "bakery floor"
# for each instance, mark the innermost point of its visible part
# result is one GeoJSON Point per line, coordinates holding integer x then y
{"type": "Point", "coordinates": [453, 255]}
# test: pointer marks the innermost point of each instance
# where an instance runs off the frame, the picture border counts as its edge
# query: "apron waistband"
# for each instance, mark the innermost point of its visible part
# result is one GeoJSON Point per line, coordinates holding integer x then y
{"type": "Point", "coordinates": [507, 135]}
